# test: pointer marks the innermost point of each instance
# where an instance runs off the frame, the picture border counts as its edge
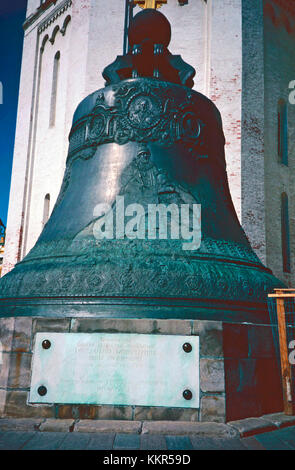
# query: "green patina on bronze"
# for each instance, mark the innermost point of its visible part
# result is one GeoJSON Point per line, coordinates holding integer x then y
{"type": "Point", "coordinates": [150, 138]}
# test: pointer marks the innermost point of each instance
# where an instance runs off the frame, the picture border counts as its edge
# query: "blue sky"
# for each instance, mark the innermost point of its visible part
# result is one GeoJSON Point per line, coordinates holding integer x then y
{"type": "Point", "coordinates": [12, 16]}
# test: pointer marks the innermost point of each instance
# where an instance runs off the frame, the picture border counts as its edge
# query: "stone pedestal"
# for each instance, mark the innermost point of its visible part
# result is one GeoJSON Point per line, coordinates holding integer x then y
{"type": "Point", "coordinates": [239, 374]}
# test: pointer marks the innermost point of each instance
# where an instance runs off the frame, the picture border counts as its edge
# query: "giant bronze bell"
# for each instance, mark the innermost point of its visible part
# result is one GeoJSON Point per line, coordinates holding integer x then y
{"type": "Point", "coordinates": [146, 138]}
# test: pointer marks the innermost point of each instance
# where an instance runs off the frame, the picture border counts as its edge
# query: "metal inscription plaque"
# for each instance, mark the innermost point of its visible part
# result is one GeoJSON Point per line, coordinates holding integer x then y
{"type": "Point", "coordinates": [116, 369]}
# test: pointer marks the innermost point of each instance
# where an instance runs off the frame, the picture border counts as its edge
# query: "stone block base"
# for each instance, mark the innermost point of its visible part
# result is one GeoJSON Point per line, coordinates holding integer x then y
{"type": "Point", "coordinates": [239, 374]}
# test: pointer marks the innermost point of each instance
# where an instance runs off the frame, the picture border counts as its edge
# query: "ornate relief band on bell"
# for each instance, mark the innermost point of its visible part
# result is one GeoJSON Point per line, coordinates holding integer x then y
{"type": "Point", "coordinates": [143, 111]}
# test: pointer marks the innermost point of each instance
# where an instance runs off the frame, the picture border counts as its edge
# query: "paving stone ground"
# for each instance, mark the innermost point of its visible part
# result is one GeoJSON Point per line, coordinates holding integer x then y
{"type": "Point", "coordinates": [282, 439]}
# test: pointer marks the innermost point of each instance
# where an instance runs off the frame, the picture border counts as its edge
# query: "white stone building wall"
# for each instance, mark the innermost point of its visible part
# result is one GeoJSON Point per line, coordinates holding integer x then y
{"type": "Point", "coordinates": [252, 132]}
{"type": "Point", "coordinates": [279, 178]}
{"type": "Point", "coordinates": [21, 155]}
{"type": "Point", "coordinates": [49, 144]}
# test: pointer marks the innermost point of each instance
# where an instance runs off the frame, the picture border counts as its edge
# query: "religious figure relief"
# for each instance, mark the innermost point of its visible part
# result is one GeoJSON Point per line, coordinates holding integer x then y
{"type": "Point", "coordinates": [165, 185]}
{"type": "Point", "coordinates": [144, 167]}
{"type": "Point", "coordinates": [144, 112]}
{"type": "Point", "coordinates": [145, 187]}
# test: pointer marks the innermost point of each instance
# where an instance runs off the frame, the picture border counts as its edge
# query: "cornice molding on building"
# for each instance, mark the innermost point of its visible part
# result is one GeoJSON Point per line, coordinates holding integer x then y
{"type": "Point", "coordinates": [51, 17]}
{"type": "Point", "coordinates": [40, 10]}
{"type": "Point", "coordinates": [57, 12]}
{"type": "Point", "coordinates": [282, 13]}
